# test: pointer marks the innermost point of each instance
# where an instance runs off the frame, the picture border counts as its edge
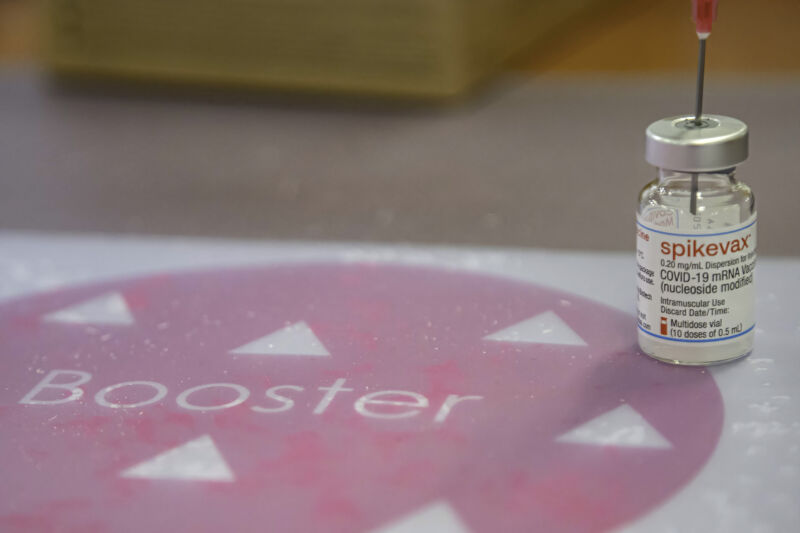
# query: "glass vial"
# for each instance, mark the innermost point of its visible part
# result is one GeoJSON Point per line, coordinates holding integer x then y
{"type": "Point", "coordinates": [696, 244]}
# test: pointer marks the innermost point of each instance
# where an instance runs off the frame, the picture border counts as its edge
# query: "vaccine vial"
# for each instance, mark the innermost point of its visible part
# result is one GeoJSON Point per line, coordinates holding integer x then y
{"type": "Point", "coordinates": [696, 243]}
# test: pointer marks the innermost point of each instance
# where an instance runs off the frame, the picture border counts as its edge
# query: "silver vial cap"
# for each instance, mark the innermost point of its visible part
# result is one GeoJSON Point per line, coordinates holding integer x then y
{"type": "Point", "coordinates": [678, 143]}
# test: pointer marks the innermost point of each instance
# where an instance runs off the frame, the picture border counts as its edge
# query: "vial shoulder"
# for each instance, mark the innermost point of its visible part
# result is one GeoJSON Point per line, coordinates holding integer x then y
{"type": "Point", "coordinates": [711, 195]}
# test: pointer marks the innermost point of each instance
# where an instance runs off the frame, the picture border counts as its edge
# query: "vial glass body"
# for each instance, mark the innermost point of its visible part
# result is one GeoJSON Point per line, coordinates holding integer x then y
{"type": "Point", "coordinates": [695, 258]}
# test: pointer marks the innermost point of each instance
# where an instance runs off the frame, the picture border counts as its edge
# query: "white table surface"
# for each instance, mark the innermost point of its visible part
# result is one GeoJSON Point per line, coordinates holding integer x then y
{"type": "Point", "coordinates": [750, 484]}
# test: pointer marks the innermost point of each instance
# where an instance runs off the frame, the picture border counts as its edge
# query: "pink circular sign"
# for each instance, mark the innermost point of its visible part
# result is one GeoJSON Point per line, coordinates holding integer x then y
{"type": "Point", "coordinates": [337, 398]}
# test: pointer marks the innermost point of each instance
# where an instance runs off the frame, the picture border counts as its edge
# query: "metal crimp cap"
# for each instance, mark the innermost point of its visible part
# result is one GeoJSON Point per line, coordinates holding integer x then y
{"type": "Point", "coordinates": [679, 143]}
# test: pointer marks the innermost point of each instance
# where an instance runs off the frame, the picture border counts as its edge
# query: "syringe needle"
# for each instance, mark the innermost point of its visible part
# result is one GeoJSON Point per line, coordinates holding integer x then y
{"type": "Point", "coordinates": [701, 70]}
{"type": "Point", "coordinates": [703, 12]}
{"type": "Point", "coordinates": [698, 114]}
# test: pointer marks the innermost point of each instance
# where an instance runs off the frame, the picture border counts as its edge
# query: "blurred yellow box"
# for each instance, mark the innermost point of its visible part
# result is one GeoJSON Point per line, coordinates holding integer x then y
{"type": "Point", "coordinates": [419, 48]}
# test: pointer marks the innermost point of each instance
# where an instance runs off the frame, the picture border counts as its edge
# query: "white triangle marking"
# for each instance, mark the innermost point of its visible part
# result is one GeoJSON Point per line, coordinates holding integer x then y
{"type": "Point", "coordinates": [197, 460]}
{"type": "Point", "coordinates": [295, 339]}
{"type": "Point", "coordinates": [110, 308]}
{"type": "Point", "coordinates": [544, 328]}
{"type": "Point", "coordinates": [622, 426]}
{"type": "Point", "coordinates": [437, 517]}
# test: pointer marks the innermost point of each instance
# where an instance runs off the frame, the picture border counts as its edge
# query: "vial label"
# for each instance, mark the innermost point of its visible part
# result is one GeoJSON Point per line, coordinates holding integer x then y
{"type": "Point", "coordinates": [694, 286]}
